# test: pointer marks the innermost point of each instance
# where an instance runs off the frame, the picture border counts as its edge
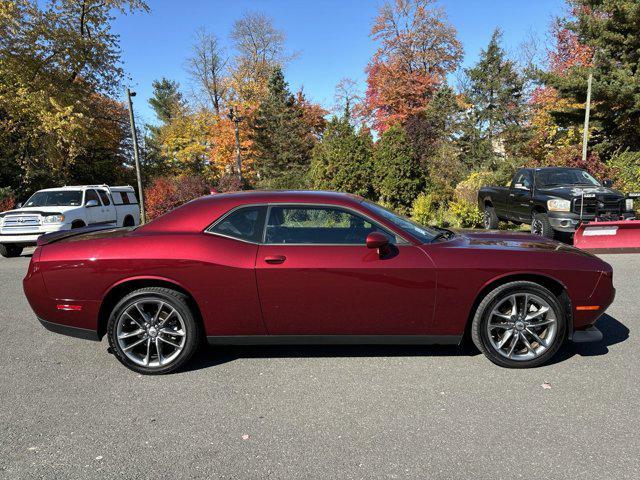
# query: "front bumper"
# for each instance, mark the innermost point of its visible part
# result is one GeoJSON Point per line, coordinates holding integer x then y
{"type": "Point", "coordinates": [568, 222]}
{"type": "Point", "coordinates": [28, 238]}
{"type": "Point", "coordinates": [591, 334]}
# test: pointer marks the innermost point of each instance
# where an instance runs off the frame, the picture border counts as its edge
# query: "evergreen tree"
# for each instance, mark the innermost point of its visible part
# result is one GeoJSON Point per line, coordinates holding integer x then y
{"type": "Point", "coordinates": [496, 93]}
{"type": "Point", "coordinates": [281, 138]}
{"type": "Point", "coordinates": [167, 102]}
{"type": "Point", "coordinates": [397, 172]}
{"type": "Point", "coordinates": [610, 29]}
{"type": "Point", "coordinates": [342, 159]}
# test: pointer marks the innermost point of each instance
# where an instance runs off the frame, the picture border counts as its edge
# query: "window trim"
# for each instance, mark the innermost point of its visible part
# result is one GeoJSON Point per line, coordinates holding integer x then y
{"type": "Point", "coordinates": [400, 240]}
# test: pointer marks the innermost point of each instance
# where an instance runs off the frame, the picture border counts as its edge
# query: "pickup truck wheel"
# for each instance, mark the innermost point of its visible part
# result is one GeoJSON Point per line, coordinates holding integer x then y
{"type": "Point", "coordinates": [153, 331]}
{"type": "Point", "coordinates": [540, 226]}
{"type": "Point", "coordinates": [10, 251]}
{"type": "Point", "coordinates": [77, 224]}
{"type": "Point", "coordinates": [490, 219]}
{"type": "Point", "coordinates": [519, 324]}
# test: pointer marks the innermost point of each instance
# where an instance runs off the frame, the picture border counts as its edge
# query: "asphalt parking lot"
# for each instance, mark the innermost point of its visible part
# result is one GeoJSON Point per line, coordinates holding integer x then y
{"type": "Point", "coordinates": [70, 410]}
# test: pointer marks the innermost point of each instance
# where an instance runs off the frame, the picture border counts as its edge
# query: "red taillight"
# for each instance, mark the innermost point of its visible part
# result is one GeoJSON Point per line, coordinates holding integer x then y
{"type": "Point", "coordinates": [69, 307]}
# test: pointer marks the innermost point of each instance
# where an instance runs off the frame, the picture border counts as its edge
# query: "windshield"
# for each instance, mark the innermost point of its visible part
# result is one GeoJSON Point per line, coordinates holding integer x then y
{"type": "Point", "coordinates": [55, 198]}
{"type": "Point", "coordinates": [423, 233]}
{"type": "Point", "coordinates": [568, 176]}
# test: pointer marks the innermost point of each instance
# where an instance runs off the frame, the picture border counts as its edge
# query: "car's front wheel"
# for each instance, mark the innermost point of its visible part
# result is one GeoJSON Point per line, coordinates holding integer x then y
{"type": "Point", "coordinates": [153, 330]}
{"type": "Point", "coordinates": [10, 251]}
{"type": "Point", "coordinates": [519, 324]}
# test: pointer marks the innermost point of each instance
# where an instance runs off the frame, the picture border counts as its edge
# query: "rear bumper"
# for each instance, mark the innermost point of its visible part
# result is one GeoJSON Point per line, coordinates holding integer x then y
{"type": "Point", "coordinates": [77, 332]}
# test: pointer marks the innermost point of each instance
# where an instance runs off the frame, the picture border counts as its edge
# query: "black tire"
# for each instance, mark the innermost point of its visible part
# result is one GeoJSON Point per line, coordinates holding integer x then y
{"type": "Point", "coordinates": [540, 226]}
{"type": "Point", "coordinates": [77, 224]}
{"type": "Point", "coordinates": [480, 333]}
{"type": "Point", "coordinates": [490, 219]}
{"type": "Point", "coordinates": [171, 298]}
{"type": "Point", "coordinates": [9, 251]}
{"type": "Point", "coordinates": [128, 222]}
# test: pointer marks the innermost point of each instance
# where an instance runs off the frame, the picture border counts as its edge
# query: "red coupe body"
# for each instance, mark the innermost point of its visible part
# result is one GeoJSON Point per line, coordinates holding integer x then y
{"type": "Point", "coordinates": [270, 287]}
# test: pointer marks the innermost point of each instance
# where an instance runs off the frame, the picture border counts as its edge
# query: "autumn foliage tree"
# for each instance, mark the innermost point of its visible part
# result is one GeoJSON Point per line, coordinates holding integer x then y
{"type": "Point", "coordinates": [417, 48]}
{"type": "Point", "coordinates": [166, 193]}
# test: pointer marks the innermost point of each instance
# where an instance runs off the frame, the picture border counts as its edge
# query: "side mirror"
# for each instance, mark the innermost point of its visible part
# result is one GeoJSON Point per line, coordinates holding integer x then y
{"type": "Point", "coordinates": [91, 203]}
{"type": "Point", "coordinates": [520, 186]}
{"type": "Point", "coordinates": [607, 183]}
{"type": "Point", "coordinates": [379, 241]}
{"type": "Point", "coordinates": [18, 205]}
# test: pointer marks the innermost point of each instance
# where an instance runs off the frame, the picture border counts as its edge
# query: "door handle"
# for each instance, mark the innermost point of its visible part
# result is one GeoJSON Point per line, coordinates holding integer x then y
{"type": "Point", "coordinates": [275, 259]}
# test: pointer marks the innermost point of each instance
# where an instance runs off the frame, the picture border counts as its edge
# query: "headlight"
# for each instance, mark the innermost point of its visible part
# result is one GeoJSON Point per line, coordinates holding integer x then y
{"type": "Point", "coordinates": [557, 205]}
{"type": "Point", "coordinates": [54, 219]}
{"type": "Point", "coordinates": [629, 203]}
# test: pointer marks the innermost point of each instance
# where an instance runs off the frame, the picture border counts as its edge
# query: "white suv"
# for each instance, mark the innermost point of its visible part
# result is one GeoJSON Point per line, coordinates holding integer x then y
{"type": "Point", "coordinates": [64, 208]}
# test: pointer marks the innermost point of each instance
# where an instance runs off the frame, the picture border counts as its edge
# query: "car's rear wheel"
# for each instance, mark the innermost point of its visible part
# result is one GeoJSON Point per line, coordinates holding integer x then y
{"type": "Point", "coordinates": [519, 324]}
{"type": "Point", "coordinates": [490, 220]}
{"type": "Point", "coordinates": [10, 251]}
{"type": "Point", "coordinates": [153, 330]}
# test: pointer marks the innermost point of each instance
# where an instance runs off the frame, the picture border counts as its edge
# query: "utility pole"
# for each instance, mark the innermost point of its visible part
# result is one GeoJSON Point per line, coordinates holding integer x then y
{"type": "Point", "coordinates": [587, 110]}
{"type": "Point", "coordinates": [134, 136]}
{"type": "Point", "coordinates": [236, 120]}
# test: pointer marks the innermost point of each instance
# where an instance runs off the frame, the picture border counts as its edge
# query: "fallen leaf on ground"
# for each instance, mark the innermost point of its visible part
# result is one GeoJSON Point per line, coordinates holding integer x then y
{"type": "Point", "coordinates": [546, 385]}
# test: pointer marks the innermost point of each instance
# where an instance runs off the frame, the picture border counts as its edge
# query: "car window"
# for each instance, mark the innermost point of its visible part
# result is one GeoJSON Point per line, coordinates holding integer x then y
{"type": "Point", "coordinates": [91, 195]}
{"type": "Point", "coordinates": [523, 178]}
{"type": "Point", "coordinates": [56, 198]}
{"type": "Point", "coordinates": [243, 224]}
{"type": "Point", "coordinates": [129, 198]}
{"type": "Point", "coordinates": [105, 197]}
{"type": "Point", "coordinates": [318, 225]}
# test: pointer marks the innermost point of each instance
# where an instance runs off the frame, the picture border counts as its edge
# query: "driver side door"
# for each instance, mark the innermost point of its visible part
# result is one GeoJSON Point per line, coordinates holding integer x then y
{"type": "Point", "coordinates": [520, 196]}
{"type": "Point", "coordinates": [317, 277]}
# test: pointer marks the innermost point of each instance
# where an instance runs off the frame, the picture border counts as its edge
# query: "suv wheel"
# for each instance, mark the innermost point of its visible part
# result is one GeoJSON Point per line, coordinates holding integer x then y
{"type": "Point", "coordinates": [153, 331]}
{"type": "Point", "coordinates": [10, 251]}
{"type": "Point", "coordinates": [490, 219]}
{"type": "Point", "coordinates": [519, 324]}
{"type": "Point", "coordinates": [540, 226]}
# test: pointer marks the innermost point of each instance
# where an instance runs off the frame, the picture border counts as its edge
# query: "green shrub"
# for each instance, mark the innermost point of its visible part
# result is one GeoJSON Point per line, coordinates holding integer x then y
{"type": "Point", "coordinates": [467, 190]}
{"type": "Point", "coordinates": [462, 214]}
{"type": "Point", "coordinates": [424, 209]}
{"type": "Point", "coordinates": [625, 168]}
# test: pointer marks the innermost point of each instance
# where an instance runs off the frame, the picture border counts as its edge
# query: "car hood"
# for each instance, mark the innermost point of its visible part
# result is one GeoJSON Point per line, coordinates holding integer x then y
{"type": "Point", "coordinates": [566, 191]}
{"type": "Point", "coordinates": [54, 210]}
{"type": "Point", "coordinates": [500, 240]}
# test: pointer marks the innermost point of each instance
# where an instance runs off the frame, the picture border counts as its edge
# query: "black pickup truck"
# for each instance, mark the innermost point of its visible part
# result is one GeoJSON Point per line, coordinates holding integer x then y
{"type": "Point", "coordinates": [553, 200]}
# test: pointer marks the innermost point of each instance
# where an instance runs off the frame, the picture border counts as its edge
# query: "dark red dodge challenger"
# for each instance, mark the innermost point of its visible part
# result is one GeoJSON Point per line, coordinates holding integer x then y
{"type": "Point", "coordinates": [312, 267]}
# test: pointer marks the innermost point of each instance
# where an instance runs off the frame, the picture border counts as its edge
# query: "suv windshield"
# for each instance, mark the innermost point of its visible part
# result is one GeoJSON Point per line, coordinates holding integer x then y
{"type": "Point", "coordinates": [424, 234]}
{"type": "Point", "coordinates": [564, 176]}
{"type": "Point", "coordinates": [55, 198]}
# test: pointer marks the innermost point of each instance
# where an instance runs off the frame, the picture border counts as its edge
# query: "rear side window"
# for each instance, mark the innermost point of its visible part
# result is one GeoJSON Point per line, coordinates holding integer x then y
{"type": "Point", "coordinates": [244, 224]}
{"type": "Point", "coordinates": [105, 197]}
{"type": "Point", "coordinates": [130, 197]}
{"type": "Point", "coordinates": [91, 195]}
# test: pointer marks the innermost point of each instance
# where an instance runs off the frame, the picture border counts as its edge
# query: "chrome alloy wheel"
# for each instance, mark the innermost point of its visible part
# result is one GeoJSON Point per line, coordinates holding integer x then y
{"type": "Point", "coordinates": [537, 227]}
{"type": "Point", "coordinates": [487, 220]}
{"type": "Point", "coordinates": [522, 326]}
{"type": "Point", "coordinates": [151, 333]}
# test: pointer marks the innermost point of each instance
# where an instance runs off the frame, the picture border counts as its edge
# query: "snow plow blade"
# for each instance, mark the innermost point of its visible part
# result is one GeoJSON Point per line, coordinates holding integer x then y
{"type": "Point", "coordinates": [621, 236]}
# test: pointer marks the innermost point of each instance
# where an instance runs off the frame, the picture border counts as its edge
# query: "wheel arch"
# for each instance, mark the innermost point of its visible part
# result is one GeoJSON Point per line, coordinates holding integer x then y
{"type": "Point", "coordinates": [126, 286]}
{"type": "Point", "coordinates": [554, 285]}
{"type": "Point", "coordinates": [127, 218]}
